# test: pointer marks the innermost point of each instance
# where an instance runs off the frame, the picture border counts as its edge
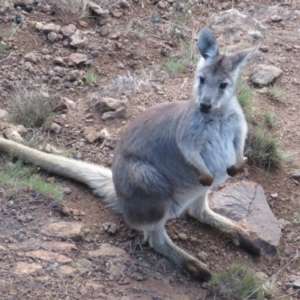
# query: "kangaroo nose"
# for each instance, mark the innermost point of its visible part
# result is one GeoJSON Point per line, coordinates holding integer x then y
{"type": "Point", "coordinates": [205, 107]}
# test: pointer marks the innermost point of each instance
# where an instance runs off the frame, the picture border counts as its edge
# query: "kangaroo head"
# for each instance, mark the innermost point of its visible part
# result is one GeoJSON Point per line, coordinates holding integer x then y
{"type": "Point", "coordinates": [216, 74]}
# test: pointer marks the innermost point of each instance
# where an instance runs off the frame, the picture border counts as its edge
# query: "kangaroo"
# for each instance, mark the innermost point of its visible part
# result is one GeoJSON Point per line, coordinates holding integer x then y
{"type": "Point", "coordinates": [170, 157]}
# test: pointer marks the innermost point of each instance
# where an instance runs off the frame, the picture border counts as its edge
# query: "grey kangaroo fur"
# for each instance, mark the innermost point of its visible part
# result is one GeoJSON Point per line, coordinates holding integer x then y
{"type": "Point", "coordinates": [170, 157]}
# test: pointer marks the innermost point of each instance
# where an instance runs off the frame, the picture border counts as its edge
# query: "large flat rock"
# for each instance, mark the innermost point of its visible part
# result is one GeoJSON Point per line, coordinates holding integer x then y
{"type": "Point", "coordinates": [246, 204]}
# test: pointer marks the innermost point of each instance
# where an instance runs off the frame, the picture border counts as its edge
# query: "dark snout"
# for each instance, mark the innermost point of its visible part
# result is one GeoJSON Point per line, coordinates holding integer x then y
{"type": "Point", "coordinates": [205, 107]}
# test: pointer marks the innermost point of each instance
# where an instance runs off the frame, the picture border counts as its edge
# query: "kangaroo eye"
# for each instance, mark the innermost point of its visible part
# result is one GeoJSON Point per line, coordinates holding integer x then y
{"type": "Point", "coordinates": [202, 79]}
{"type": "Point", "coordinates": [223, 85]}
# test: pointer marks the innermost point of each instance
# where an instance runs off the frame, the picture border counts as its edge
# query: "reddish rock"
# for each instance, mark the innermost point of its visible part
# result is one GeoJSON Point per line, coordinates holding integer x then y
{"type": "Point", "coordinates": [246, 204]}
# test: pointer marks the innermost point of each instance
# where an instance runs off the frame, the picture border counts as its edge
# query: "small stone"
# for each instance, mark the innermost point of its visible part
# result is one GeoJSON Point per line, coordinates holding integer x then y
{"type": "Point", "coordinates": [27, 268]}
{"type": "Point", "coordinates": [50, 27]}
{"type": "Point", "coordinates": [13, 135]}
{"type": "Point", "coordinates": [112, 229]}
{"type": "Point", "coordinates": [52, 36]}
{"type": "Point", "coordinates": [39, 26]}
{"type": "Point", "coordinates": [58, 246]}
{"type": "Point", "coordinates": [182, 236]}
{"type": "Point", "coordinates": [295, 174]}
{"type": "Point", "coordinates": [117, 114]}
{"type": "Point", "coordinates": [110, 104]}
{"type": "Point", "coordinates": [51, 149]}
{"type": "Point", "coordinates": [64, 230]}
{"type": "Point", "coordinates": [264, 48]}
{"type": "Point", "coordinates": [55, 128]}
{"type": "Point", "coordinates": [104, 31]}
{"type": "Point", "coordinates": [161, 4]}
{"type": "Point", "coordinates": [31, 57]}
{"type": "Point", "coordinates": [65, 211]}
{"type": "Point", "coordinates": [3, 114]}
{"type": "Point", "coordinates": [117, 13]}
{"type": "Point", "coordinates": [98, 10]}
{"type": "Point", "coordinates": [48, 256]}
{"type": "Point", "coordinates": [83, 23]}
{"type": "Point", "coordinates": [124, 4]}
{"type": "Point", "coordinates": [275, 195]}
{"type": "Point", "coordinates": [107, 250]}
{"type": "Point", "coordinates": [68, 30]}
{"type": "Point", "coordinates": [67, 191]}
{"type": "Point", "coordinates": [65, 270]}
{"type": "Point", "coordinates": [92, 134]}
{"type": "Point", "coordinates": [296, 284]}
{"type": "Point", "coordinates": [10, 203]}
{"type": "Point", "coordinates": [78, 58]}
{"type": "Point", "coordinates": [276, 18]}
{"type": "Point", "coordinates": [202, 255]}
{"type": "Point", "coordinates": [264, 75]}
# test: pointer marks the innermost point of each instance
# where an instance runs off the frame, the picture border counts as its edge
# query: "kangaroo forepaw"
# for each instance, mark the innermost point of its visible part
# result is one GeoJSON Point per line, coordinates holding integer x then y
{"type": "Point", "coordinates": [197, 270]}
{"type": "Point", "coordinates": [234, 170]}
{"type": "Point", "coordinates": [206, 180]}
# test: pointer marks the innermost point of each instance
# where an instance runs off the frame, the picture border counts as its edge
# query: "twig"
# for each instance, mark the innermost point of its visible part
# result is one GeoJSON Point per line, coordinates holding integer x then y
{"type": "Point", "coordinates": [7, 57]}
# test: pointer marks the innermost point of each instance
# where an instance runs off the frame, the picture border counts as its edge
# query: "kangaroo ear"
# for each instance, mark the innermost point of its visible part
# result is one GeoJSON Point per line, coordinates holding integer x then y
{"type": "Point", "coordinates": [207, 44]}
{"type": "Point", "coordinates": [237, 60]}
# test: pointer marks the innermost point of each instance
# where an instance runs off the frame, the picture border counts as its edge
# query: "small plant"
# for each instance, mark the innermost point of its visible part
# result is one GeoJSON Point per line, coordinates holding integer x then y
{"type": "Point", "coordinates": [187, 58]}
{"type": "Point", "coordinates": [276, 93]}
{"type": "Point", "coordinates": [90, 77]}
{"type": "Point", "coordinates": [269, 120]}
{"type": "Point", "coordinates": [263, 150]}
{"type": "Point", "coordinates": [236, 283]}
{"type": "Point", "coordinates": [296, 219]}
{"type": "Point", "coordinates": [30, 106]}
{"type": "Point", "coordinates": [244, 97]}
{"type": "Point", "coordinates": [17, 175]}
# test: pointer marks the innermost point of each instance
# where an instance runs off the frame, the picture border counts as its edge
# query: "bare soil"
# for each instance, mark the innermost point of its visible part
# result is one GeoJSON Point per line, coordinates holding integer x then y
{"type": "Point", "coordinates": [136, 46]}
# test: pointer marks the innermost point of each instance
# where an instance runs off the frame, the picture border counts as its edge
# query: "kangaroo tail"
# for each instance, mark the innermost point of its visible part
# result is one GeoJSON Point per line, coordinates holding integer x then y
{"type": "Point", "coordinates": [95, 176]}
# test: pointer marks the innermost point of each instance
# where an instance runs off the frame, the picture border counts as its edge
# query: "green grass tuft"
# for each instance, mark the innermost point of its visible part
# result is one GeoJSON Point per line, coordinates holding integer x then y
{"type": "Point", "coordinates": [236, 283]}
{"type": "Point", "coordinates": [263, 150]}
{"type": "Point", "coordinates": [269, 120]}
{"type": "Point", "coordinates": [17, 175]}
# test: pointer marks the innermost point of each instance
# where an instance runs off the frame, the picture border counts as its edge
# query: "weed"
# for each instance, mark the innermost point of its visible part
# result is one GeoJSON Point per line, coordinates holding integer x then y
{"type": "Point", "coordinates": [3, 47]}
{"type": "Point", "coordinates": [90, 77]}
{"type": "Point", "coordinates": [269, 120]}
{"type": "Point", "coordinates": [244, 97]}
{"type": "Point", "coordinates": [263, 150]}
{"type": "Point", "coordinates": [296, 219]}
{"type": "Point", "coordinates": [187, 58]}
{"type": "Point", "coordinates": [30, 106]}
{"type": "Point", "coordinates": [17, 175]}
{"type": "Point", "coordinates": [237, 282]}
{"type": "Point", "coordinates": [276, 93]}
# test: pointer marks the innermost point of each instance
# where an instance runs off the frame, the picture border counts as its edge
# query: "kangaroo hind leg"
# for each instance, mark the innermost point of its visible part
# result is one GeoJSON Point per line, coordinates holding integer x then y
{"type": "Point", "coordinates": [161, 242]}
{"type": "Point", "coordinates": [200, 210]}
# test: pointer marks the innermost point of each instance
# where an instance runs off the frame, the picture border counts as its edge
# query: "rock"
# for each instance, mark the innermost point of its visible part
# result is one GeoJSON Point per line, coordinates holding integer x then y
{"type": "Point", "coordinates": [92, 134]}
{"type": "Point", "coordinates": [110, 104]}
{"type": "Point", "coordinates": [52, 36]}
{"type": "Point", "coordinates": [117, 13]}
{"type": "Point", "coordinates": [161, 4]}
{"type": "Point", "coordinates": [276, 18]}
{"type": "Point", "coordinates": [61, 72]}
{"type": "Point", "coordinates": [83, 23]}
{"type": "Point", "coordinates": [55, 128]}
{"type": "Point", "coordinates": [182, 236]}
{"type": "Point", "coordinates": [65, 211]}
{"type": "Point", "coordinates": [13, 135]}
{"type": "Point", "coordinates": [117, 114]}
{"type": "Point", "coordinates": [39, 26]}
{"type": "Point", "coordinates": [246, 204]}
{"type": "Point", "coordinates": [98, 10]}
{"type": "Point", "coordinates": [48, 256]}
{"type": "Point", "coordinates": [51, 149]}
{"type": "Point", "coordinates": [31, 57]}
{"type": "Point", "coordinates": [64, 230]}
{"type": "Point", "coordinates": [58, 246]}
{"type": "Point", "coordinates": [264, 75]}
{"type": "Point", "coordinates": [124, 4]}
{"type": "Point", "coordinates": [295, 174]}
{"type": "Point", "coordinates": [108, 250]}
{"type": "Point", "coordinates": [68, 30]}
{"type": "Point", "coordinates": [104, 31]}
{"type": "Point", "coordinates": [78, 58]}
{"type": "Point", "coordinates": [27, 268]}
{"type": "Point", "coordinates": [112, 229]}
{"type": "Point", "coordinates": [202, 255]}
{"type": "Point", "coordinates": [65, 270]}
{"type": "Point", "coordinates": [51, 27]}
{"type": "Point", "coordinates": [59, 60]}
{"type": "Point", "coordinates": [296, 283]}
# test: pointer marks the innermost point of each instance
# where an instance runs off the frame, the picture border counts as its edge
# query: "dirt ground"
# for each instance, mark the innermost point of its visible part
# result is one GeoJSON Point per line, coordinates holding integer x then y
{"type": "Point", "coordinates": [36, 264]}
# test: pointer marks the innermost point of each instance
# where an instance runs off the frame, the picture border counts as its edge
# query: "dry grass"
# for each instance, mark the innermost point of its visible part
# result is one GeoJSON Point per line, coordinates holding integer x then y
{"type": "Point", "coordinates": [31, 107]}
